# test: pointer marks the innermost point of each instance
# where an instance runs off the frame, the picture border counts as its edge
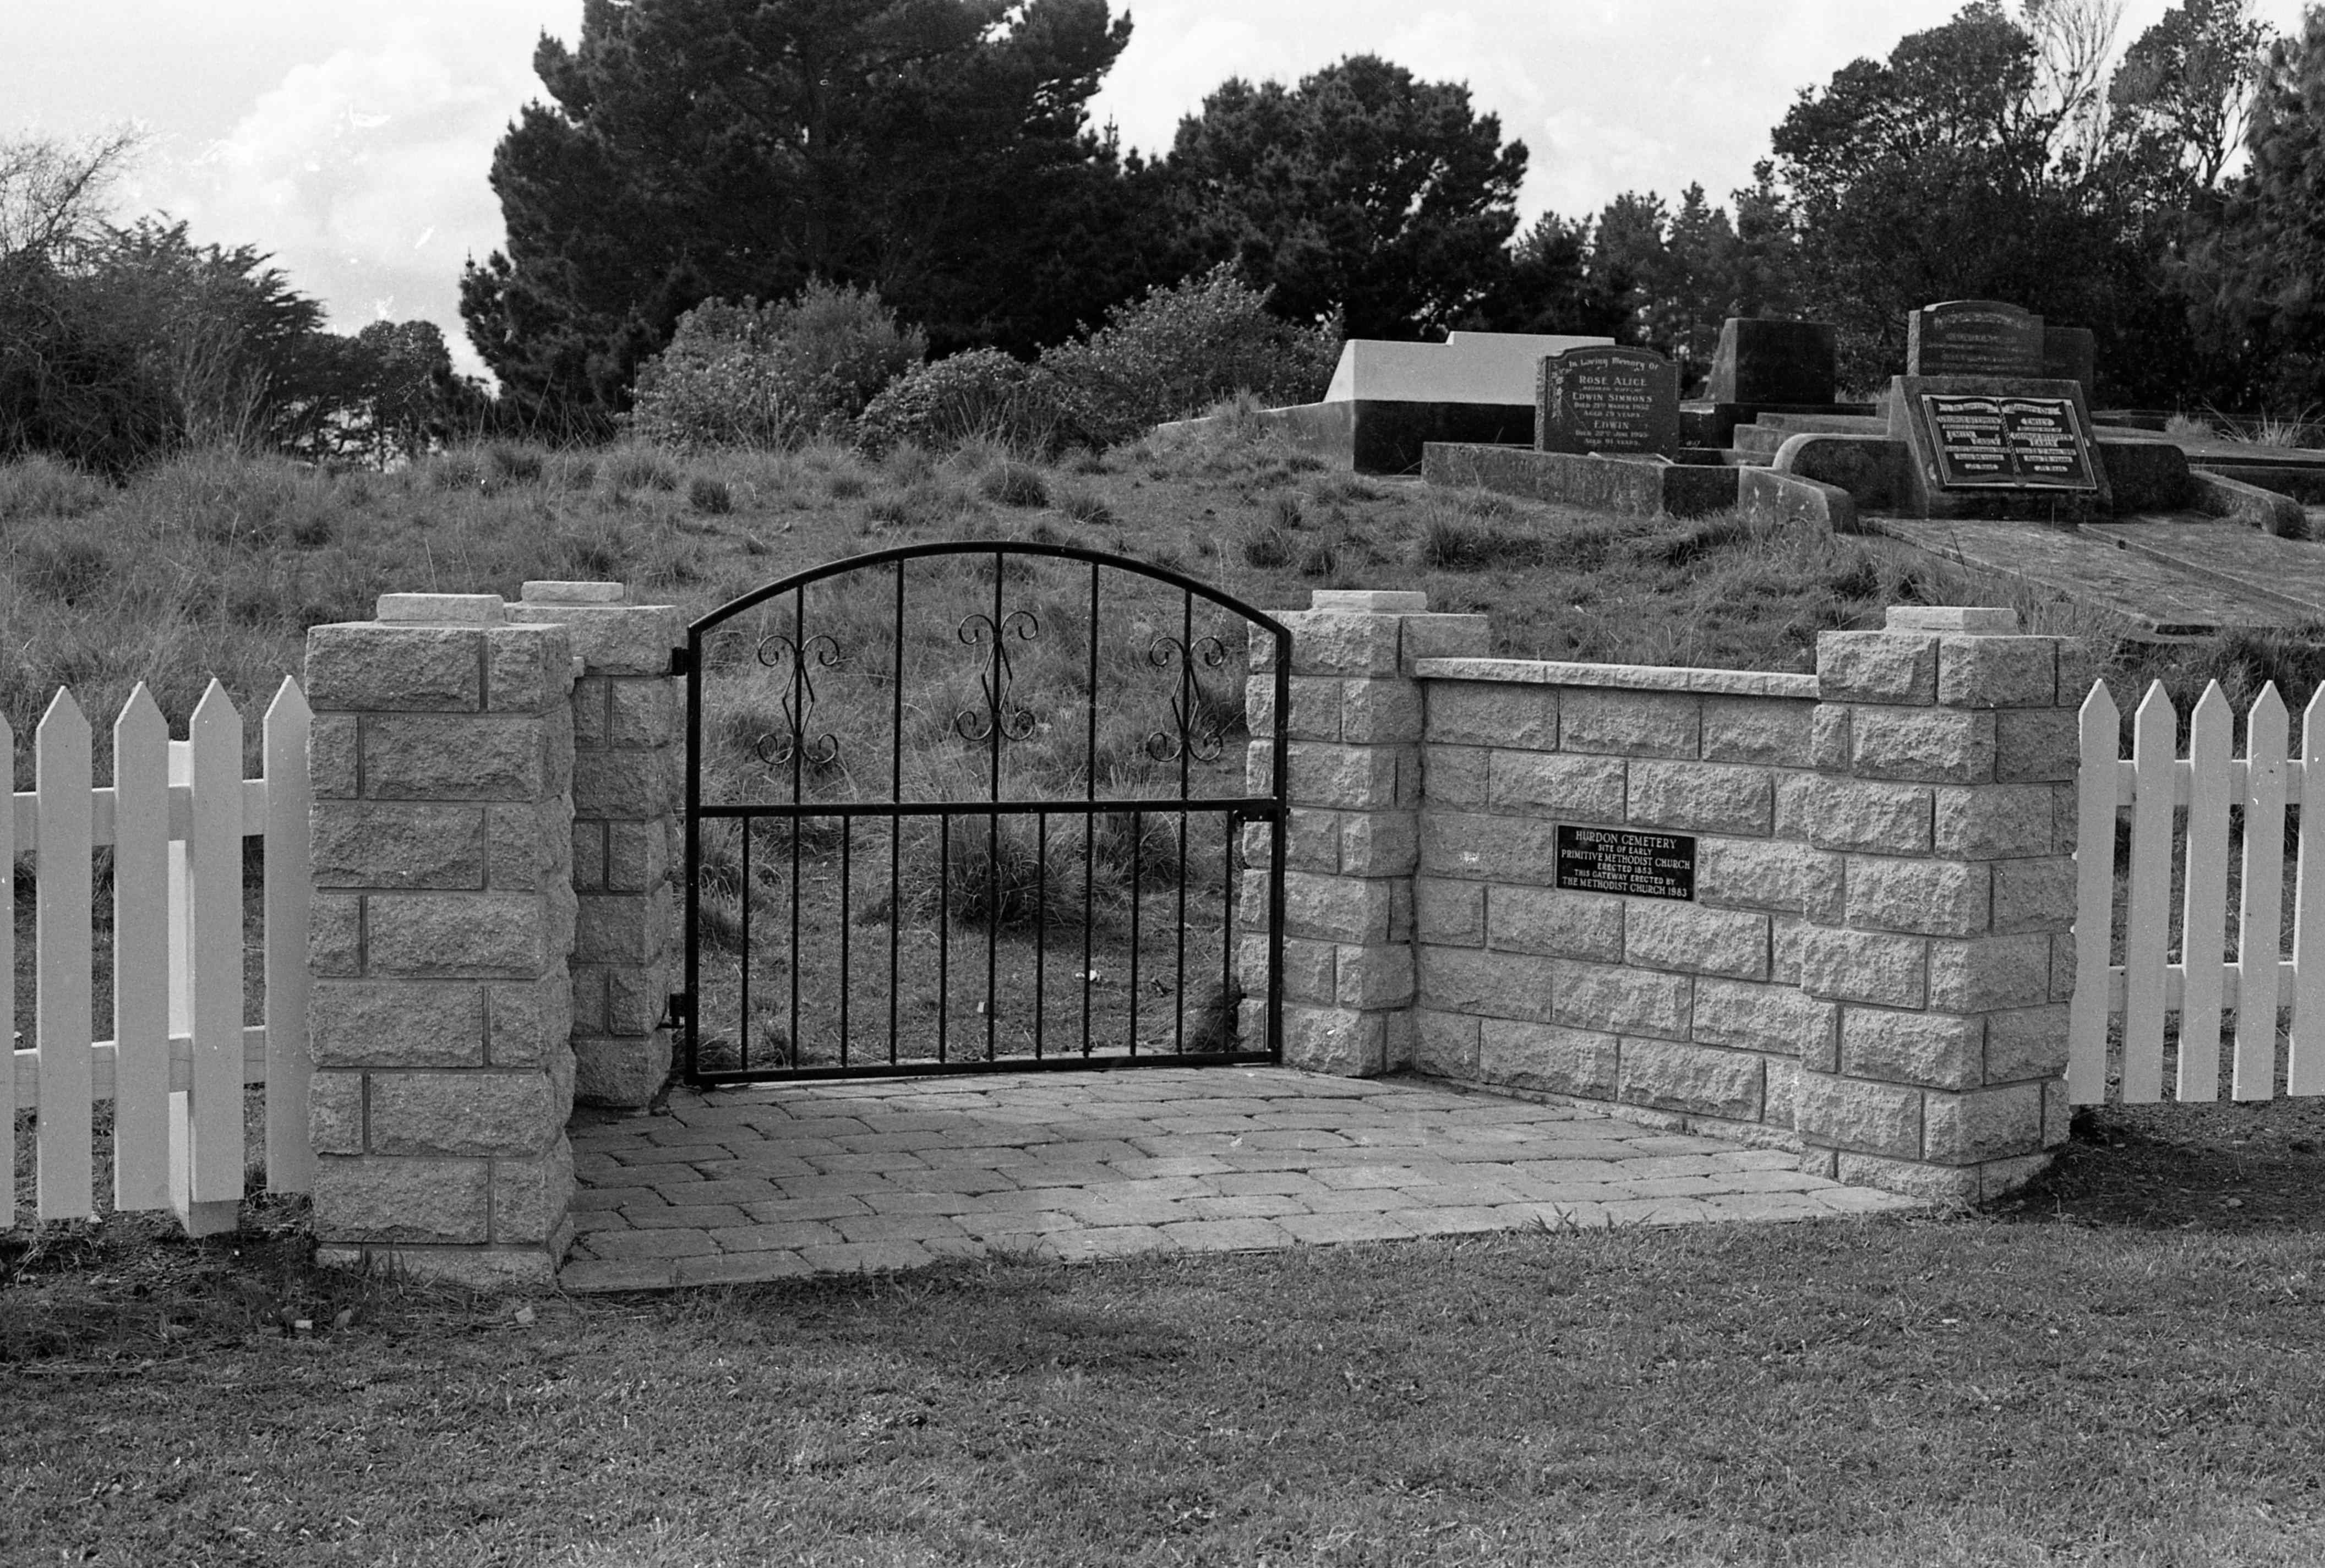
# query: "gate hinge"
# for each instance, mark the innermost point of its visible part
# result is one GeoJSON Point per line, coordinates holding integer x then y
{"type": "Point", "coordinates": [681, 661]}
{"type": "Point", "coordinates": [676, 1010]}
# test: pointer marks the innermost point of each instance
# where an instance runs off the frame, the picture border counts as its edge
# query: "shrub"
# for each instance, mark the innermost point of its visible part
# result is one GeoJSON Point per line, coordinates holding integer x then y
{"type": "Point", "coordinates": [1016, 484]}
{"type": "Point", "coordinates": [639, 469]}
{"type": "Point", "coordinates": [1086, 506]}
{"type": "Point", "coordinates": [774, 375]}
{"type": "Point", "coordinates": [515, 465]}
{"type": "Point", "coordinates": [1268, 547]}
{"type": "Point", "coordinates": [981, 394]}
{"type": "Point", "coordinates": [1180, 350]}
{"type": "Point", "coordinates": [40, 486]}
{"type": "Point", "coordinates": [1456, 544]}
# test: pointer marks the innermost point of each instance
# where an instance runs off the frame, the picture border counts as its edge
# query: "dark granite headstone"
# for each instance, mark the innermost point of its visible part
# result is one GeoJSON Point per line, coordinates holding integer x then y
{"type": "Point", "coordinates": [1973, 338]}
{"type": "Point", "coordinates": [1760, 359]}
{"type": "Point", "coordinates": [1607, 399]}
{"type": "Point", "coordinates": [2069, 354]}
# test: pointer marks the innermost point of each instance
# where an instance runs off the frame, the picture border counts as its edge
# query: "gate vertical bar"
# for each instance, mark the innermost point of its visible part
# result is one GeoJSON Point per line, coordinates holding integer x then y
{"type": "Point", "coordinates": [896, 824]}
{"type": "Point", "coordinates": [1090, 825]}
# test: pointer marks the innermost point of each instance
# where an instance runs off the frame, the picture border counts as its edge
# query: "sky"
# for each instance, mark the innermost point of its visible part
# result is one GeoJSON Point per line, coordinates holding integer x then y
{"type": "Point", "coordinates": [353, 138]}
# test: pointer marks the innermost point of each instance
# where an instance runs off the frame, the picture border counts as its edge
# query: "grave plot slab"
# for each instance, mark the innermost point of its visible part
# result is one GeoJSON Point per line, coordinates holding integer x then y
{"type": "Point", "coordinates": [2287, 574]}
{"type": "Point", "coordinates": [2152, 596]}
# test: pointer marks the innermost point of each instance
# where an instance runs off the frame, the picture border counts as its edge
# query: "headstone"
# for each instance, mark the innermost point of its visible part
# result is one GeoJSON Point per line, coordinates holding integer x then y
{"type": "Point", "coordinates": [1762, 360]}
{"type": "Point", "coordinates": [1973, 338]}
{"type": "Point", "coordinates": [1611, 400]}
{"type": "Point", "coordinates": [2069, 354]}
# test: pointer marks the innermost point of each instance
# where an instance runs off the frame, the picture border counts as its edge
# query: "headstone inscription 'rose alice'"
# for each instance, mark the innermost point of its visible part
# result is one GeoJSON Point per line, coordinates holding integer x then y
{"type": "Point", "coordinates": [1614, 401]}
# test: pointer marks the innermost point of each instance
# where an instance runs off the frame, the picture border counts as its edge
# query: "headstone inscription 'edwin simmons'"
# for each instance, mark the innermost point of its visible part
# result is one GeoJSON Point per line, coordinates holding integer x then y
{"type": "Point", "coordinates": [2018, 442]}
{"type": "Point", "coordinates": [1611, 400]}
{"type": "Point", "coordinates": [1620, 861]}
{"type": "Point", "coordinates": [1974, 338]}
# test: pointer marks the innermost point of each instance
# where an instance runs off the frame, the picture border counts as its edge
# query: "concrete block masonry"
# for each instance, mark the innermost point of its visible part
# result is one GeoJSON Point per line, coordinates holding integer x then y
{"type": "Point", "coordinates": [1858, 969]}
{"type": "Point", "coordinates": [482, 949]}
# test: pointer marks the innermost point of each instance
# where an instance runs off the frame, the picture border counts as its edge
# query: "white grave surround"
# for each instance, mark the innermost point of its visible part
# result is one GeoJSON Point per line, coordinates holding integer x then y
{"type": "Point", "coordinates": [1493, 368]}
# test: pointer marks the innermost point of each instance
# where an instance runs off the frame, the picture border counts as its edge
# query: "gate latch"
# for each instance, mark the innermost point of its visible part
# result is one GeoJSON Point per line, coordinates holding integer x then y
{"type": "Point", "coordinates": [676, 1009]}
{"type": "Point", "coordinates": [681, 661]}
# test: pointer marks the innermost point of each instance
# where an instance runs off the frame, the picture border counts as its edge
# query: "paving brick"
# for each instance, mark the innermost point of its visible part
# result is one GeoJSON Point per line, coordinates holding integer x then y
{"type": "Point", "coordinates": [1458, 1219]}
{"type": "Point", "coordinates": [632, 1244]}
{"type": "Point", "coordinates": [896, 1227]}
{"type": "Point", "coordinates": [866, 1256]}
{"type": "Point", "coordinates": [687, 1216]}
{"type": "Point", "coordinates": [742, 1269]}
{"type": "Point", "coordinates": [1250, 1206]}
{"type": "Point", "coordinates": [1230, 1235]}
{"type": "Point", "coordinates": [1105, 1241]}
{"type": "Point", "coordinates": [586, 1274]}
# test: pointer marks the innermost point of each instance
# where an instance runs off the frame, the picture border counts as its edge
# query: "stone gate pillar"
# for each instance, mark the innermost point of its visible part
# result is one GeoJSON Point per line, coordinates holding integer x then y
{"type": "Point", "coordinates": [1352, 839]}
{"type": "Point", "coordinates": [628, 741]}
{"type": "Point", "coordinates": [1947, 745]}
{"type": "Point", "coordinates": [441, 759]}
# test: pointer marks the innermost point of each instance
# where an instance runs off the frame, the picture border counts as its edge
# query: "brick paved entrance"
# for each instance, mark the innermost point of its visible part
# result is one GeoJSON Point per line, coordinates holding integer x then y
{"type": "Point", "coordinates": [776, 1181]}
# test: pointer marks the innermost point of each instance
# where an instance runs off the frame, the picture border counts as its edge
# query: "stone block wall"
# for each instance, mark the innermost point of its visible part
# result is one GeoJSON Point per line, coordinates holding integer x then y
{"type": "Point", "coordinates": [1883, 884]}
{"type": "Point", "coordinates": [1688, 1008]}
{"type": "Point", "coordinates": [442, 759]}
{"type": "Point", "coordinates": [628, 741]}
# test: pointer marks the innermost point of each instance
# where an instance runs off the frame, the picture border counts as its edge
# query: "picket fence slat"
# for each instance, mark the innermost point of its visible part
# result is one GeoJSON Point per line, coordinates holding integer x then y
{"type": "Point", "coordinates": [8, 1093]}
{"type": "Point", "coordinates": [210, 1113]}
{"type": "Point", "coordinates": [290, 1154]}
{"type": "Point", "coordinates": [141, 980]}
{"type": "Point", "coordinates": [2145, 954]}
{"type": "Point", "coordinates": [62, 1012]}
{"type": "Point", "coordinates": [2204, 905]}
{"type": "Point", "coordinates": [2305, 1066]}
{"type": "Point", "coordinates": [2260, 925]}
{"type": "Point", "coordinates": [175, 816]}
{"type": "Point", "coordinates": [2098, 724]}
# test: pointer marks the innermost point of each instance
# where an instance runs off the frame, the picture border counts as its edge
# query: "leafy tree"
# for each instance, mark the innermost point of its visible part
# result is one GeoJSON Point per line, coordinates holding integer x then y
{"type": "Point", "coordinates": [934, 149]}
{"type": "Point", "coordinates": [2262, 311]}
{"type": "Point", "coordinates": [1551, 286]}
{"type": "Point", "coordinates": [1943, 174]}
{"type": "Point", "coordinates": [1363, 192]}
{"type": "Point", "coordinates": [412, 402]}
{"type": "Point", "coordinates": [2183, 94]}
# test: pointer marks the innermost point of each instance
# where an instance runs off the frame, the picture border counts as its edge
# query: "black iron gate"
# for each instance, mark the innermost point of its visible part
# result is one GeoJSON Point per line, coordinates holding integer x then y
{"type": "Point", "coordinates": [976, 807]}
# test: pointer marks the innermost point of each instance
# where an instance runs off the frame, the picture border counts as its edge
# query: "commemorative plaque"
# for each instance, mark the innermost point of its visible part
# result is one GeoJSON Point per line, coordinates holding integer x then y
{"type": "Point", "coordinates": [2024, 443]}
{"type": "Point", "coordinates": [1620, 860]}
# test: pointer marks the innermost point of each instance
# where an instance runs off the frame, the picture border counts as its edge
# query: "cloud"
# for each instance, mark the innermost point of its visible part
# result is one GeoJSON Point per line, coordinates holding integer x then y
{"type": "Point", "coordinates": [365, 173]}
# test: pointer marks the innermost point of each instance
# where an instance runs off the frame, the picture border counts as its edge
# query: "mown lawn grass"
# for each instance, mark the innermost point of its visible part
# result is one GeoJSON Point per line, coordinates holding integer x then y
{"type": "Point", "coordinates": [1848, 1392]}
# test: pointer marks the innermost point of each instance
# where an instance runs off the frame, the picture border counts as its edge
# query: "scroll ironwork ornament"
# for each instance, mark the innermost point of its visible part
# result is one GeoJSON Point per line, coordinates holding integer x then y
{"type": "Point", "coordinates": [1196, 732]}
{"type": "Point", "coordinates": [780, 747]}
{"type": "Point", "coordinates": [1003, 717]}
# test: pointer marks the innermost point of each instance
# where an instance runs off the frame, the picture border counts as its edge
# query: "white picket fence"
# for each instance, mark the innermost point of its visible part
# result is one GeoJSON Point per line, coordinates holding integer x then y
{"type": "Point", "coordinates": [175, 817]}
{"type": "Point", "coordinates": [2153, 786]}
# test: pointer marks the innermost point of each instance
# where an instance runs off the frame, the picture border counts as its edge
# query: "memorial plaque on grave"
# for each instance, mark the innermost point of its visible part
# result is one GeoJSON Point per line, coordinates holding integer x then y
{"type": "Point", "coordinates": [1608, 399]}
{"type": "Point", "coordinates": [1617, 860]}
{"type": "Point", "coordinates": [2024, 443]}
{"type": "Point", "coordinates": [1973, 338]}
